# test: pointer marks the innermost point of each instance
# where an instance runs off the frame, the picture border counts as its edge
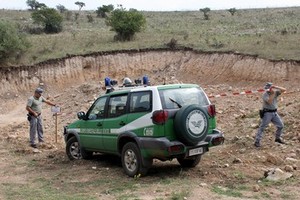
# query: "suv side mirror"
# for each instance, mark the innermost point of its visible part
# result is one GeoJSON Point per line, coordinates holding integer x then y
{"type": "Point", "coordinates": [81, 115]}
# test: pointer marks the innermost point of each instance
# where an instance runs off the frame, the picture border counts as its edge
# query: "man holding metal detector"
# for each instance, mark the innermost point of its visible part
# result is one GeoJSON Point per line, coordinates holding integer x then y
{"type": "Point", "coordinates": [269, 113]}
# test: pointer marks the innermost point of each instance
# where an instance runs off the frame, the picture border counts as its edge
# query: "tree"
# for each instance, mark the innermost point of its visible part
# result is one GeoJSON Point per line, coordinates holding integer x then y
{"type": "Point", "coordinates": [61, 8]}
{"type": "Point", "coordinates": [80, 4]}
{"type": "Point", "coordinates": [35, 5]}
{"type": "Point", "coordinates": [32, 4]}
{"type": "Point", "coordinates": [232, 11]}
{"type": "Point", "coordinates": [12, 43]}
{"type": "Point", "coordinates": [205, 12]}
{"type": "Point", "coordinates": [102, 11]}
{"type": "Point", "coordinates": [49, 18]}
{"type": "Point", "coordinates": [126, 23]}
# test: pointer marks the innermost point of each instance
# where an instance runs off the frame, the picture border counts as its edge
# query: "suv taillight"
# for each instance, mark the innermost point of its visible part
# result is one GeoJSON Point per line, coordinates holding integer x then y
{"type": "Point", "coordinates": [160, 116]}
{"type": "Point", "coordinates": [211, 110]}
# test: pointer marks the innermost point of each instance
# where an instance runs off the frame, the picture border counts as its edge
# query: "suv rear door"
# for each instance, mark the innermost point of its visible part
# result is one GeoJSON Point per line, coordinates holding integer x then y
{"type": "Point", "coordinates": [139, 113]}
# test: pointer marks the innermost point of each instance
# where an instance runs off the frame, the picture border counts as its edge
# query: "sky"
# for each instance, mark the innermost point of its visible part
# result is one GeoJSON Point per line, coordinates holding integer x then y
{"type": "Point", "coordinates": [157, 5]}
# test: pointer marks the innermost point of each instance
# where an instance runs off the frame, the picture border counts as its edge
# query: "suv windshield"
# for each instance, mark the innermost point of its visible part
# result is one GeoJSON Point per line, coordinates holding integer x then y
{"type": "Point", "coordinates": [176, 98]}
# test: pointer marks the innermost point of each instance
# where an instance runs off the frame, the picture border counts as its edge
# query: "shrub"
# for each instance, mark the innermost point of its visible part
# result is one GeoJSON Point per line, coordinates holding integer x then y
{"type": "Point", "coordinates": [102, 11]}
{"type": "Point", "coordinates": [172, 44]}
{"type": "Point", "coordinates": [49, 18]}
{"type": "Point", "coordinates": [232, 11]}
{"type": "Point", "coordinates": [90, 18]}
{"type": "Point", "coordinates": [12, 43]}
{"type": "Point", "coordinates": [126, 23]}
{"type": "Point", "coordinates": [61, 8]}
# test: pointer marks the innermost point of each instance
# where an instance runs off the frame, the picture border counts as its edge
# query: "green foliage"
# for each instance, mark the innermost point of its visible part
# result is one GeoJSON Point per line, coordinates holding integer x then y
{"type": "Point", "coordinates": [61, 8]}
{"type": "Point", "coordinates": [232, 11]}
{"type": "Point", "coordinates": [102, 11]}
{"type": "Point", "coordinates": [126, 23]}
{"type": "Point", "coordinates": [205, 12]}
{"type": "Point", "coordinates": [12, 43]}
{"type": "Point", "coordinates": [80, 4]}
{"type": "Point", "coordinates": [49, 18]}
{"type": "Point", "coordinates": [35, 5]}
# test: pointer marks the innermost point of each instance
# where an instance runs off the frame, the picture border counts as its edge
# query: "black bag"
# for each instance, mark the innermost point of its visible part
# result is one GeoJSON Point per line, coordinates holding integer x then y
{"type": "Point", "coordinates": [28, 117]}
{"type": "Point", "coordinates": [261, 113]}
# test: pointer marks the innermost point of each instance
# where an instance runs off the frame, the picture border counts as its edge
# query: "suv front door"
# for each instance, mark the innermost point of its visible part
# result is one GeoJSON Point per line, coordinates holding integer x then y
{"type": "Point", "coordinates": [115, 122]}
{"type": "Point", "coordinates": [91, 129]}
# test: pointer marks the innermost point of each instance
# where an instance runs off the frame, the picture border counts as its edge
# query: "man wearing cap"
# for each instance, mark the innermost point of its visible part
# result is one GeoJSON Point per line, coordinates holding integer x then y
{"type": "Point", "coordinates": [270, 113]}
{"type": "Point", "coordinates": [34, 108]}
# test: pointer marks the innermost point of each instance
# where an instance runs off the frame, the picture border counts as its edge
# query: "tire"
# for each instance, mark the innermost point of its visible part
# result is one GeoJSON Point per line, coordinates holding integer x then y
{"type": "Point", "coordinates": [73, 149]}
{"type": "Point", "coordinates": [75, 152]}
{"type": "Point", "coordinates": [190, 162]}
{"type": "Point", "coordinates": [191, 124]}
{"type": "Point", "coordinates": [87, 155]}
{"type": "Point", "coordinates": [132, 160]}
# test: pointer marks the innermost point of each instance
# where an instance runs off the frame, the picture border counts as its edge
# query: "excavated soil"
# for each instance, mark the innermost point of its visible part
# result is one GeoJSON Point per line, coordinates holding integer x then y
{"type": "Point", "coordinates": [75, 81]}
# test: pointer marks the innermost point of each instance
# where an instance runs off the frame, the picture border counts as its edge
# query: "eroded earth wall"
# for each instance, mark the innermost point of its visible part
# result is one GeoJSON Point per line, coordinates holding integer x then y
{"type": "Point", "coordinates": [184, 64]}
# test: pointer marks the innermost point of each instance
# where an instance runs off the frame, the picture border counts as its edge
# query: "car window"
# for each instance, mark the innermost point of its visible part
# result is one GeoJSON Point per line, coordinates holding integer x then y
{"type": "Point", "coordinates": [117, 105]}
{"type": "Point", "coordinates": [97, 109]}
{"type": "Point", "coordinates": [172, 98]}
{"type": "Point", "coordinates": [140, 102]}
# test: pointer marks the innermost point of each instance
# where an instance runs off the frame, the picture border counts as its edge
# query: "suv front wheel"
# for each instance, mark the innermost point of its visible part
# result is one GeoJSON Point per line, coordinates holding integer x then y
{"type": "Point", "coordinates": [132, 160]}
{"type": "Point", "coordinates": [74, 152]}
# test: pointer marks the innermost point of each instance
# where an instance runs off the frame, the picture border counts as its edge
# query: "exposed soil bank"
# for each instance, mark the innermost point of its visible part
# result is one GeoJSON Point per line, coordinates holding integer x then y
{"type": "Point", "coordinates": [185, 65]}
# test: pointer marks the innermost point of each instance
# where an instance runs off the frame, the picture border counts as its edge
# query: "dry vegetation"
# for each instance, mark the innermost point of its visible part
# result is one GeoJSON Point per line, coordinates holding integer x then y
{"type": "Point", "coordinates": [232, 171]}
{"type": "Point", "coordinates": [269, 33]}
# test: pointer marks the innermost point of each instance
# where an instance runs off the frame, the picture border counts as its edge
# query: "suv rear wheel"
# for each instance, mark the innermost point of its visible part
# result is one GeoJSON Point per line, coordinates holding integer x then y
{"type": "Point", "coordinates": [189, 162]}
{"type": "Point", "coordinates": [191, 124]}
{"type": "Point", "coordinates": [132, 160]}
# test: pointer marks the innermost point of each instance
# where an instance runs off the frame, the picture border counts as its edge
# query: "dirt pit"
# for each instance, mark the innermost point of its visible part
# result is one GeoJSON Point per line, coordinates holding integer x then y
{"type": "Point", "coordinates": [234, 170]}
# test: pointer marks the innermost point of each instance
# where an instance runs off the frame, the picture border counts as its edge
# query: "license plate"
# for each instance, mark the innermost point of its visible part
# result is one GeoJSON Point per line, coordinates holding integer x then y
{"type": "Point", "coordinates": [196, 151]}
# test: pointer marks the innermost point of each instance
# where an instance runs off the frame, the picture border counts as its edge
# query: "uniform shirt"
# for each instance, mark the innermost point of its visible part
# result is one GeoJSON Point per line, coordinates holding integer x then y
{"type": "Point", "coordinates": [273, 105]}
{"type": "Point", "coordinates": [35, 103]}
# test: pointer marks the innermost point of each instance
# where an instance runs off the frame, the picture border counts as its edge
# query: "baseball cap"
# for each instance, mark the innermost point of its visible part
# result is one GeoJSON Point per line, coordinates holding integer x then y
{"type": "Point", "coordinates": [39, 90]}
{"type": "Point", "coordinates": [268, 85]}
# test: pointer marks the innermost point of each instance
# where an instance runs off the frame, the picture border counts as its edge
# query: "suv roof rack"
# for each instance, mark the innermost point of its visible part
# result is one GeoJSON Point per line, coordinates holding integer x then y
{"type": "Point", "coordinates": [124, 87]}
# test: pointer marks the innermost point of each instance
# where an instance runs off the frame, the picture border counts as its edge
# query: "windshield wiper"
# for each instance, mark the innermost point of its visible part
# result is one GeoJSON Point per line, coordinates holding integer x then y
{"type": "Point", "coordinates": [179, 106]}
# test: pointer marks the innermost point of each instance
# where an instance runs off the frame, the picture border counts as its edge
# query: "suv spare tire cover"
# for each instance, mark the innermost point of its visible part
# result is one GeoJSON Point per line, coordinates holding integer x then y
{"type": "Point", "coordinates": [191, 124]}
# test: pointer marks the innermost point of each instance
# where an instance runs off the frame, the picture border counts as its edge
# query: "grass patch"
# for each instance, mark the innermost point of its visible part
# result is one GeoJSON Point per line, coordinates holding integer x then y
{"type": "Point", "coordinates": [227, 191]}
{"type": "Point", "coordinates": [47, 192]}
{"type": "Point", "coordinates": [179, 195]}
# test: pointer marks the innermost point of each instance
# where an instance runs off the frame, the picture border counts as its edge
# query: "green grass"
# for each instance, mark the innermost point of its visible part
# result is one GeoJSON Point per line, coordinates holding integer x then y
{"type": "Point", "coordinates": [227, 191]}
{"type": "Point", "coordinates": [269, 33]}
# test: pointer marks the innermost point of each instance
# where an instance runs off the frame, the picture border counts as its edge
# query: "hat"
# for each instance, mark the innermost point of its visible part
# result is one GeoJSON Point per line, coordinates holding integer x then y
{"type": "Point", "coordinates": [268, 85]}
{"type": "Point", "coordinates": [39, 90]}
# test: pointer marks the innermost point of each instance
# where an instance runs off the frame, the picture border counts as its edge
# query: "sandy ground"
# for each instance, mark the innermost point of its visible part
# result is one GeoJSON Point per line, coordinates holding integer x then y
{"type": "Point", "coordinates": [236, 166]}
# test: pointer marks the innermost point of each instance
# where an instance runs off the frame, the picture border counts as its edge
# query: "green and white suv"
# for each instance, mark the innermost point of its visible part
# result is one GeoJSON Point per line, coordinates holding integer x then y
{"type": "Point", "coordinates": [144, 123]}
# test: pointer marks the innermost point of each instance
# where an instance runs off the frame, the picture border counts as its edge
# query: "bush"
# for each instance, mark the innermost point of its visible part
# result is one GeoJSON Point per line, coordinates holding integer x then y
{"type": "Point", "coordinates": [49, 18]}
{"type": "Point", "coordinates": [126, 23]}
{"type": "Point", "coordinates": [102, 11]}
{"type": "Point", "coordinates": [90, 18]}
{"type": "Point", "coordinates": [12, 43]}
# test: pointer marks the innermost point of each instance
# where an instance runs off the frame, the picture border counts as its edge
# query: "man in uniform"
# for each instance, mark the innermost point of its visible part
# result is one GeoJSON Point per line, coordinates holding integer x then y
{"type": "Point", "coordinates": [34, 108]}
{"type": "Point", "coordinates": [270, 100]}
